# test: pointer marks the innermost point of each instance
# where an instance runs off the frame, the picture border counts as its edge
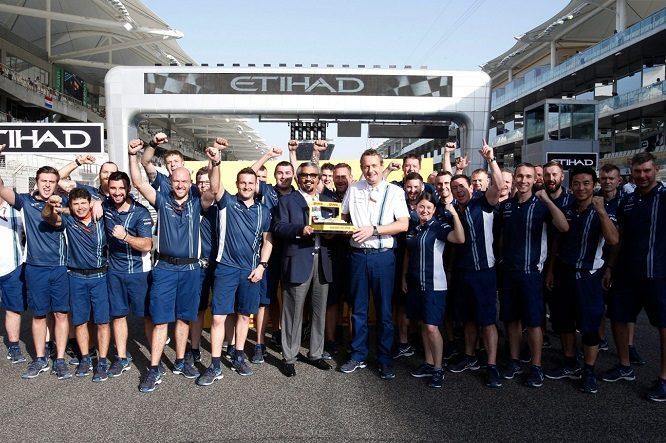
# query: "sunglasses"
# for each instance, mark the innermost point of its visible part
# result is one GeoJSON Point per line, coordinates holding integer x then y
{"type": "Point", "coordinates": [306, 175]}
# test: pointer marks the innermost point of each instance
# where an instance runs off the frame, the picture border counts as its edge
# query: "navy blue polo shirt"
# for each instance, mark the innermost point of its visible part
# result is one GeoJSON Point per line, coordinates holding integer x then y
{"type": "Point", "coordinates": [86, 244]}
{"type": "Point", "coordinates": [161, 183]}
{"type": "Point", "coordinates": [582, 245]}
{"type": "Point", "coordinates": [241, 230]}
{"type": "Point", "coordinates": [477, 221]}
{"type": "Point", "coordinates": [524, 234]}
{"type": "Point", "coordinates": [138, 223]}
{"type": "Point", "coordinates": [45, 243]}
{"type": "Point", "coordinates": [425, 246]}
{"type": "Point", "coordinates": [96, 193]}
{"type": "Point", "coordinates": [178, 228]}
{"type": "Point", "coordinates": [210, 229]}
{"type": "Point", "coordinates": [642, 218]}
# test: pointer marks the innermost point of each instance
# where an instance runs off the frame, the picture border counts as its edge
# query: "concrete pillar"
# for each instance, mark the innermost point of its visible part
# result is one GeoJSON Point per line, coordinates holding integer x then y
{"type": "Point", "coordinates": [509, 73]}
{"type": "Point", "coordinates": [553, 55]}
{"type": "Point", "coordinates": [620, 15]}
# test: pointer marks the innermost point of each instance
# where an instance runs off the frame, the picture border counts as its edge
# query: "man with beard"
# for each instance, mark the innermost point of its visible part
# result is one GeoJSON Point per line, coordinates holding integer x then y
{"type": "Point", "coordinates": [538, 178]}
{"type": "Point", "coordinates": [105, 170]}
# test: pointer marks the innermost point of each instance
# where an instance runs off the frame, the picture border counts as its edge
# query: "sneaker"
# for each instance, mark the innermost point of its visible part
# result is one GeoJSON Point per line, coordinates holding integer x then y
{"type": "Point", "coordinates": [424, 370]}
{"type": "Point", "coordinates": [635, 358]}
{"type": "Point", "coordinates": [603, 344]}
{"type": "Point", "coordinates": [185, 368]}
{"type": "Point", "coordinates": [493, 379]}
{"type": "Point", "coordinates": [258, 356]}
{"type": "Point", "coordinates": [512, 370]}
{"type": "Point", "coordinates": [14, 354]}
{"type": "Point", "coordinates": [84, 368]}
{"type": "Point", "coordinates": [240, 365]}
{"type": "Point", "coordinates": [36, 367]}
{"type": "Point", "coordinates": [119, 366]}
{"type": "Point", "coordinates": [162, 369]}
{"type": "Point", "coordinates": [195, 355]}
{"type": "Point", "coordinates": [209, 376]}
{"type": "Point", "coordinates": [386, 372]}
{"type": "Point", "coordinates": [450, 352]}
{"type": "Point", "coordinates": [535, 377]}
{"type": "Point", "coordinates": [437, 378]}
{"type": "Point", "coordinates": [589, 382]}
{"type": "Point", "coordinates": [467, 362]}
{"type": "Point", "coordinates": [61, 370]}
{"type": "Point", "coordinates": [150, 381]}
{"type": "Point", "coordinates": [352, 365]}
{"type": "Point", "coordinates": [73, 354]}
{"type": "Point", "coordinates": [230, 353]}
{"type": "Point", "coordinates": [564, 372]}
{"type": "Point", "coordinates": [101, 371]}
{"type": "Point", "coordinates": [658, 392]}
{"type": "Point", "coordinates": [619, 372]}
{"type": "Point", "coordinates": [404, 350]}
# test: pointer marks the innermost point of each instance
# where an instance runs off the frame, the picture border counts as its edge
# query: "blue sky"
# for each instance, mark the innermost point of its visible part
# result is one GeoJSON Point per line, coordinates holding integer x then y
{"type": "Point", "coordinates": [442, 34]}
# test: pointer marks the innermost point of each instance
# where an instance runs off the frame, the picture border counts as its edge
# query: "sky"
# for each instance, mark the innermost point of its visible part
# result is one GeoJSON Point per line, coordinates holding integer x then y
{"type": "Point", "coordinates": [439, 34]}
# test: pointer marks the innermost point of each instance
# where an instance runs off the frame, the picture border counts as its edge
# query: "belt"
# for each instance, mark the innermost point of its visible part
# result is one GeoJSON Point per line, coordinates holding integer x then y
{"type": "Point", "coordinates": [176, 260]}
{"type": "Point", "coordinates": [88, 271]}
{"type": "Point", "coordinates": [370, 250]}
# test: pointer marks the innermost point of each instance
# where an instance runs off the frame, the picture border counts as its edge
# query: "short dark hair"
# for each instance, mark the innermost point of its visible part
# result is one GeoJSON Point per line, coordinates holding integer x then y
{"type": "Point", "coordinates": [246, 171]}
{"type": "Point", "coordinates": [284, 163]}
{"type": "Point", "coordinates": [263, 168]}
{"type": "Point", "coordinates": [47, 170]}
{"type": "Point", "coordinates": [524, 165]}
{"type": "Point", "coordinates": [327, 166]}
{"type": "Point", "coordinates": [609, 167]}
{"type": "Point", "coordinates": [479, 171]}
{"type": "Point", "coordinates": [413, 176]}
{"type": "Point", "coordinates": [427, 196]}
{"type": "Point", "coordinates": [462, 176]}
{"type": "Point", "coordinates": [578, 170]}
{"type": "Point", "coordinates": [507, 170]}
{"type": "Point", "coordinates": [201, 172]}
{"type": "Point", "coordinates": [553, 163]}
{"type": "Point", "coordinates": [78, 193]}
{"type": "Point", "coordinates": [120, 176]}
{"type": "Point", "coordinates": [372, 152]}
{"type": "Point", "coordinates": [343, 165]}
{"type": "Point", "coordinates": [642, 157]}
{"type": "Point", "coordinates": [442, 173]}
{"type": "Point", "coordinates": [408, 156]}
{"type": "Point", "coordinates": [174, 152]}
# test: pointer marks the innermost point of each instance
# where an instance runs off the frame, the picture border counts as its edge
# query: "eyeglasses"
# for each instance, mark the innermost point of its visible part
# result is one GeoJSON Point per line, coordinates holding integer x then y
{"type": "Point", "coordinates": [307, 175]}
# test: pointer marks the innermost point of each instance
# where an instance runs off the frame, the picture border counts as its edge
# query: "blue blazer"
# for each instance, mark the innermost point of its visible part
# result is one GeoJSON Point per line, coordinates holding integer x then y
{"type": "Point", "coordinates": [297, 253]}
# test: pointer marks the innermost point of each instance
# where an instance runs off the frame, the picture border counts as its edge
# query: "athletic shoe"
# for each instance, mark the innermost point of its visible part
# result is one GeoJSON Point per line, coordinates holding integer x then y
{"type": "Point", "coordinates": [101, 371]}
{"type": "Point", "coordinates": [424, 370]}
{"type": "Point", "coordinates": [386, 372]}
{"type": "Point", "coordinates": [258, 356]}
{"type": "Point", "coordinates": [635, 358]}
{"type": "Point", "coordinates": [450, 352]}
{"type": "Point", "coordinates": [84, 368]}
{"type": "Point", "coordinates": [619, 372]}
{"type": "Point", "coordinates": [437, 378]}
{"type": "Point", "coordinates": [603, 344]}
{"type": "Point", "coordinates": [150, 381]}
{"type": "Point", "coordinates": [193, 356]}
{"type": "Point", "coordinates": [61, 370]}
{"type": "Point", "coordinates": [162, 369]}
{"type": "Point", "coordinates": [14, 354]}
{"type": "Point", "coordinates": [564, 372]}
{"type": "Point", "coordinates": [535, 378]}
{"type": "Point", "coordinates": [493, 379]}
{"type": "Point", "coordinates": [240, 365]}
{"type": "Point", "coordinates": [209, 376]}
{"type": "Point", "coordinates": [404, 350]}
{"type": "Point", "coordinates": [589, 382]}
{"type": "Point", "coordinates": [514, 368]}
{"type": "Point", "coordinates": [230, 353]}
{"type": "Point", "coordinates": [168, 340]}
{"type": "Point", "coordinates": [36, 367]}
{"type": "Point", "coordinates": [185, 368]}
{"type": "Point", "coordinates": [352, 365]}
{"type": "Point", "coordinates": [326, 356]}
{"type": "Point", "coordinates": [467, 362]}
{"type": "Point", "coordinates": [658, 392]}
{"type": "Point", "coordinates": [119, 366]}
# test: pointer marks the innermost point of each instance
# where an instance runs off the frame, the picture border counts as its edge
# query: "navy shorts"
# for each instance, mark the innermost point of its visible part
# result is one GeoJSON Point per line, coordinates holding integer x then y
{"type": "Point", "coordinates": [427, 306]}
{"type": "Point", "coordinates": [128, 293]}
{"type": "Point", "coordinates": [476, 296]}
{"type": "Point", "coordinates": [48, 289]}
{"type": "Point", "coordinates": [233, 292]}
{"type": "Point", "coordinates": [577, 302]}
{"type": "Point", "coordinates": [14, 296]}
{"type": "Point", "coordinates": [174, 295]}
{"type": "Point", "coordinates": [84, 292]}
{"type": "Point", "coordinates": [629, 295]}
{"type": "Point", "coordinates": [207, 277]}
{"type": "Point", "coordinates": [521, 298]}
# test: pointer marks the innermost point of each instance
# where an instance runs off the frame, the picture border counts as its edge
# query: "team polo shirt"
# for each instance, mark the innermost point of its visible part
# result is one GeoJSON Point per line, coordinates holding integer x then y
{"type": "Point", "coordinates": [178, 228]}
{"type": "Point", "coordinates": [425, 246]}
{"type": "Point", "coordinates": [582, 245]}
{"type": "Point", "coordinates": [45, 243]}
{"type": "Point", "coordinates": [96, 193]}
{"type": "Point", "coordinates": [12, 237]}
{"type": "Point", "coordinates": [86, 244]}
{"type": "Point", "coordinates": [138, 223]}
{"type": "Point", "coordinates": [477, 220]}
{"type": "Point", "coordinates": [642, 218]}
{"type": "Point", "coordinates": [400, 238]}
{"type": "Point", "coordinates": [376, 206]}
{"type": "Point", "coordinates": [524, 234]}
{"type": "Point", "coordinates": [565, 199]}
{"type": "Point", "coordinates": [161, 183]}
{"type": "Point", "coordinates": [612, 204]}
{"type": "Point", "coordinates": [442, 214]}
{"type": "Point", "coordinates": [241, 230]}
{"type": "Point", "coordinates": [209, 232]}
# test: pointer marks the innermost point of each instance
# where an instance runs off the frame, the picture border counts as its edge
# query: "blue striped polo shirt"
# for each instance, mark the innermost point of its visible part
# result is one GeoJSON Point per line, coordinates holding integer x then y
{"type": "Point", "coordinates": [582, 245]}
{"type": "Point", "coordinates": [86, 244]}
{"type": "Point", "coordinates": [45, 243]}
{"type": "Point", "coordinates": [477, 221]}
{"type": "Point", "coordinates": [425, 246]}
{"type": "Point", "coordinates": [138, 223]}
{"type": "Point", "coordinates": [178, 228]}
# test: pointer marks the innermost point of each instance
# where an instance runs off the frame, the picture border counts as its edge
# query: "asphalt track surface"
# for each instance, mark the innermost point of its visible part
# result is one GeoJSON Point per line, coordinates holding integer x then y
{"type": "Point", "coordinates": [328, 405]}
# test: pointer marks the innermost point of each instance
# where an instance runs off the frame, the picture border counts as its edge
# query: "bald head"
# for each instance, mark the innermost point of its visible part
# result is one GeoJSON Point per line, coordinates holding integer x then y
{"type": "Point", "coordinates": [181, 182]}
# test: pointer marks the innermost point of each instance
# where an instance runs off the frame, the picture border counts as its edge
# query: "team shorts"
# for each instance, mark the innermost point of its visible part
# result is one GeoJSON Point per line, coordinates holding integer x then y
{"type": "Point", "coordinates": [48, 289]}
{"type": "Point", "coordinates": [521, 298]}
{"type": "Point", "coordinates": [174, 295]}
{"type": "Point", "coordinates": [233, 292]}
{"type": "Point", "coordinates": [84, 292]}
{"type": "Point", "coordinates": [476, 296]}
{"type": "Point", "coordinates": [577, 302]}
{"type": "Point", "coordinates": [14, 296]}
{"type": "Point", "coordinates": [129, 293]}
{"type": "Point", "coordinates": [427, 306]}
{"type": "Point", "coordinates": [207, 277]}
{"type": "Point", "coordinates": [630, 294]}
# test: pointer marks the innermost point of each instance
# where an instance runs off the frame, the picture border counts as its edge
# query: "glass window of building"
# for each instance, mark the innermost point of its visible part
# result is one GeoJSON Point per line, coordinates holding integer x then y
{"type": "Point", "coordinates": [535, 125]}
{"type": "Point", "coordinates": [26, 69]}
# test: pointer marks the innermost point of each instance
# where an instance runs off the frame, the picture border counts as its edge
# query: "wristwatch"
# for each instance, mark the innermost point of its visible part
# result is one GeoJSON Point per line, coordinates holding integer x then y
{"type": "Point", "coordinates": [264, 264]}
{"type": "Point", "coordinates": [375, 232]}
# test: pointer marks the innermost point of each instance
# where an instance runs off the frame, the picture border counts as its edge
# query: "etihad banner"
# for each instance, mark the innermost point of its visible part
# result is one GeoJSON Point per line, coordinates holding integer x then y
{"type": "Point", "coordinates": [298, 84]}
{"type": "Point", "coordinates": [52, 138]}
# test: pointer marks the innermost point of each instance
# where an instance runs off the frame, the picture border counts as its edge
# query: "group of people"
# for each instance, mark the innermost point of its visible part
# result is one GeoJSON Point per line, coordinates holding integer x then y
{"type": "Point", "coordinates": [434, 253]}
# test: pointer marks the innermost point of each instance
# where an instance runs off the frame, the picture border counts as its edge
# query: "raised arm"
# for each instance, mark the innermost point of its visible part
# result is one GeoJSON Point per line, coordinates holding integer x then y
{"type": "Point", "coordinates": [608, 229]}
{"type": "Point", "coordinates": [216, 190]}
{"type": "Point", "coordinates": [293, 146]}
{"type": "Point", "coordinates": [50, 212]}
{"type": "Point", "coordinates": [393, 166]}
{"type": "Point", "coordinates": [273, 152]}
{"type": "Point", "coordinates": [318, 147]}
{"type": "Point", "coordinates": [7, 194]}
{"type": "Point", "coordinates": [458, 233]}
{"type": "Point", "coordinates": [148, 154]}
{"type": "Point", "coordinates": [559, 221]}
{"type": "Point", "coordinates": [144, 188]}
{"type": "Point", "coordinates": [65, 171]}
{"type": "Point", "coordinates": [493, 192]}
{"type": "Point", "coordinates": [461, 164]}
{"type": "Point", "coordinates": [449, 148]}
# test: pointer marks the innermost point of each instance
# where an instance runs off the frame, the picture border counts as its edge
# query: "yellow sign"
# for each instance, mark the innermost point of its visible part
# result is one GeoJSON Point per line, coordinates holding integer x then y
{"type": "Point", "coordinates": [329, 219]}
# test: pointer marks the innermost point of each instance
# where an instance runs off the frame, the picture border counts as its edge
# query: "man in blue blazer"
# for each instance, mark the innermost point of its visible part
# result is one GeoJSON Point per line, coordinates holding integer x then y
{"type": "Point", "coordinates": [306, 267]}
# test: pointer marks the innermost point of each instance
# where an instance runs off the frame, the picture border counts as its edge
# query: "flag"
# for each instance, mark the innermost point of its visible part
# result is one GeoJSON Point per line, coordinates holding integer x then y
{"type": "Point", "coordinates": [48, 101]}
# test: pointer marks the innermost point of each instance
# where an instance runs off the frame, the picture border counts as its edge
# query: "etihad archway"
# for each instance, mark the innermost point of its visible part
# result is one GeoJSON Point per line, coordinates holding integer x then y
{"type": "Point", "coordinates": [381, 96]}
